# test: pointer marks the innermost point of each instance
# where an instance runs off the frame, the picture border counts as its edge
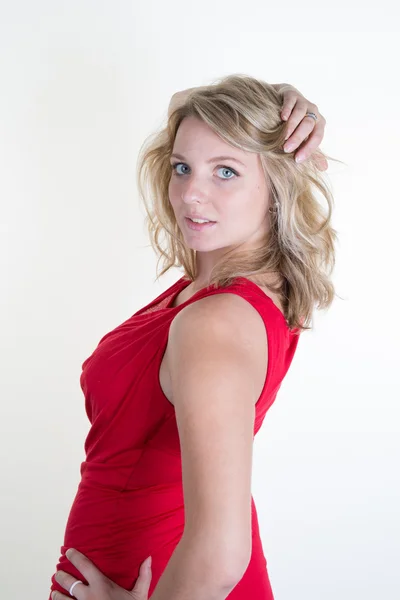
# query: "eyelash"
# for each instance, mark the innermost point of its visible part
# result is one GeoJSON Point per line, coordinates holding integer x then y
{"type": "Point", "coordinates": [174, 165]}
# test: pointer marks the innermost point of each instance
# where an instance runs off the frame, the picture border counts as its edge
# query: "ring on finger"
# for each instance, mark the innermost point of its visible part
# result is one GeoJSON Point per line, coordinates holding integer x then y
{"type": "Point", "coordinates": [73, 585]}
{"type": "Point", "coordinates": [312, 115]}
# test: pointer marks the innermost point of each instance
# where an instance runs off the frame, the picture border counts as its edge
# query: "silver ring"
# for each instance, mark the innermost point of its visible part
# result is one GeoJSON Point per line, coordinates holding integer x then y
{"type": "Point", "coordinates": [73, 585]}
{"type": "Point", "coordinates": [312, 115]}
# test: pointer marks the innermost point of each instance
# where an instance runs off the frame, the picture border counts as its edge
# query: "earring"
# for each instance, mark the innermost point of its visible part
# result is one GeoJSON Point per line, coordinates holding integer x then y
{"type": "Point", "coordinates": [273, 208]}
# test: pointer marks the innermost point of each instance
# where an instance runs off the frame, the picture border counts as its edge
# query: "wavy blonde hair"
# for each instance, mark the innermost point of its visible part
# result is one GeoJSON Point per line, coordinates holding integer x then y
{"type": "Point", "coordinates": [245, 112]}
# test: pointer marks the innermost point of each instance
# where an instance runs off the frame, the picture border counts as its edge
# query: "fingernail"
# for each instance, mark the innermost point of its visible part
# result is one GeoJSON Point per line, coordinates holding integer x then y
{"type": "Point", "coordinates": [299, 159]}
{"type": "Point", "coordinates": [288, 148]}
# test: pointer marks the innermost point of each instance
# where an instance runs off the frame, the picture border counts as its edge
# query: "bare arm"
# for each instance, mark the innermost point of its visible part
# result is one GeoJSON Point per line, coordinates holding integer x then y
{"type": "Point", "coordinates": [213, 370]}
{"type": "Point", "coordinates": [192, 574]}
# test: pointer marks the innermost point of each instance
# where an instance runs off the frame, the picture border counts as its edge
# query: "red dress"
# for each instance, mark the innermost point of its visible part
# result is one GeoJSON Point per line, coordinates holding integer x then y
{"type": "Point", "coordinates": [129, 503]}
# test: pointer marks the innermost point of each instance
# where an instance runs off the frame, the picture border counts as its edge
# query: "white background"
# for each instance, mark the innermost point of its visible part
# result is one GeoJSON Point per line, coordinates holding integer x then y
{"type": "Point", "coordinates": [82, 84]}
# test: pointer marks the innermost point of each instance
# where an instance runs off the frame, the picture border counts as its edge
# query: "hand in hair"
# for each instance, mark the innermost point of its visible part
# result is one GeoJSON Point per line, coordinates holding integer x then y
{"type": "Point", "coordinates": [299, 127]}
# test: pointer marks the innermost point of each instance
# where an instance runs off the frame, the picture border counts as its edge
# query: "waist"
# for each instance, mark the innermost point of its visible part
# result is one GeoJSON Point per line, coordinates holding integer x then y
{"type": "Point", "coordinates": [109, 476]}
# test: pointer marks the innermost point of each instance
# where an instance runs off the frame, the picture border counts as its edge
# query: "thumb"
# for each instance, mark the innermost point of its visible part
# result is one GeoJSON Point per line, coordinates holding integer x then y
{"type": "Point", "coordinates": [141, 587]}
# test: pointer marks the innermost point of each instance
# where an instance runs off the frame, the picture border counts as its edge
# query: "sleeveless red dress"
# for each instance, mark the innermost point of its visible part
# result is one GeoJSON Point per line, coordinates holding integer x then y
{"type": "Point", "coordinates": [129, 503]}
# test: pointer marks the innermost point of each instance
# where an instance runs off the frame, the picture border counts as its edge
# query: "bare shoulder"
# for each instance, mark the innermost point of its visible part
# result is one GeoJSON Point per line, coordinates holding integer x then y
{"type": "Point", "coordinates": [226, 327]}
{"type": "Point", "coordinates": [228, 312]}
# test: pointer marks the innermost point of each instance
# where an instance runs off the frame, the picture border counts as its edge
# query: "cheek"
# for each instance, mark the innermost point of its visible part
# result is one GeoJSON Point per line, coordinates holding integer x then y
{"type": "Point", "coordinates": [172, 192]}
{"type": "Point", "coordinates": [175, 186]}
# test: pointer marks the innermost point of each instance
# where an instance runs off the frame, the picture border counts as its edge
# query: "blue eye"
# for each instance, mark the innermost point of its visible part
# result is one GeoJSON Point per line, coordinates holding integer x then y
{"type": "Point", "coordinates": [227, 169]}
{"type": "Point", "coordinates": [177, 164]}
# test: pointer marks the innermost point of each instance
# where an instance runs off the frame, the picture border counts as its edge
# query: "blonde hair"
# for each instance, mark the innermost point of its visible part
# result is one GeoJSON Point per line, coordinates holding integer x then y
{"type": "Point", "coordinates": [245, 112]}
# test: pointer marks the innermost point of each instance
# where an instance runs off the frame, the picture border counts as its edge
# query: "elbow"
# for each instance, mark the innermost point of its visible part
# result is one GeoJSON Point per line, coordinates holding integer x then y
{"type": "Point", "coordinates": [227, 570]}
{"type": "Point", "coordinates": [234, 566]}
{"type": "Point", "coordinates": [225, 560]}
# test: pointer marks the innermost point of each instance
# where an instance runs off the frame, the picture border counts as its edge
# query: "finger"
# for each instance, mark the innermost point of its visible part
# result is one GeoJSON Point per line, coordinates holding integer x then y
{"type": "Point", "coordinates": [66, 580]}
{"type": "Point", "coordinates": [142, 585]}
{"type": "Point", "coordinates": [289, 100]}
{"type": "Point", "coordinates": [314, 140]}
{"type": "Point", "coordinates": [298, 114]}
{"type": "Point", "coordinates": [320, 162]}
{"type": "Point", "coordinates": [84, 566]}
{"type": "Point", "coordinates": [299, 134]}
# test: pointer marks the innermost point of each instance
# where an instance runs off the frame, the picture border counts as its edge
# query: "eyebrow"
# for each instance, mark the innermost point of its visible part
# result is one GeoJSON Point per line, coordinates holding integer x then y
{"type": "Point", "coordinates": [214, 159]}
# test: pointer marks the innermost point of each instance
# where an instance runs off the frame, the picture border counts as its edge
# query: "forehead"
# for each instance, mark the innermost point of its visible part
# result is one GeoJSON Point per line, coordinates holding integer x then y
{"type": "Point", "coordinates": [195, 138]}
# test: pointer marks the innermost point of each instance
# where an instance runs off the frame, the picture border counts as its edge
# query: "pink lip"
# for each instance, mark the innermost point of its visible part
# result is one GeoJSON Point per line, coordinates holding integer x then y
{"type": "Point", "coordinates": [199, 226]}
{"type": "Point", "coordinates": [198, 217]}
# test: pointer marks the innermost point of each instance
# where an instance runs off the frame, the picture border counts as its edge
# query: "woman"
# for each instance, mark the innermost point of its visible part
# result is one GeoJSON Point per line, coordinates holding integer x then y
{"type": "Point", "coordinates": [176, 393]}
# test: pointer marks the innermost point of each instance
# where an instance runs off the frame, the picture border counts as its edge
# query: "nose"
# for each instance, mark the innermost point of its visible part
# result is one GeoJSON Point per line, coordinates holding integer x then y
{"type": "Point", "coordinates": [193, 185]}
{"type": "Point", "coordinates": [192, 192]}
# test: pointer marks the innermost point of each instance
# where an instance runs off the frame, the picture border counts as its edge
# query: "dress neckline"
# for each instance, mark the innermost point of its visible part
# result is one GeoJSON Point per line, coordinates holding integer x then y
{"type": "Point", "coordinates": [185, 283]}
